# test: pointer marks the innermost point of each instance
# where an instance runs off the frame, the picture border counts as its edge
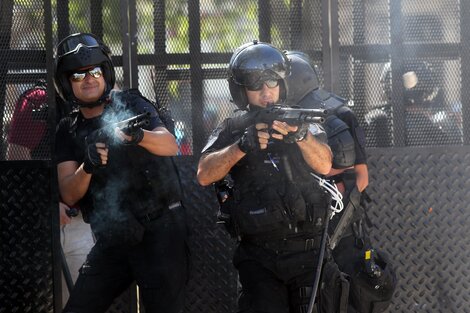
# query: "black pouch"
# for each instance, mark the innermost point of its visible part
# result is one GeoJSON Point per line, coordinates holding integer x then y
{"type": "Point", "coordinates": [334, 289]}
{"type": "Point", "coordinates": [373, 293]}
{"type": "Point", "coordinates": [261, 212]}
{"type": "Point", "coordinates": [295, 203]}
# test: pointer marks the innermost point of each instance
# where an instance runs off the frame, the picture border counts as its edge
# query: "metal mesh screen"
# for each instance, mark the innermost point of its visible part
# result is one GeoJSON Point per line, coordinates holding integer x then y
{"type": "Point", "coordinates": [23, 62]}
{"type": "Point", "coordinates": [400, 70]}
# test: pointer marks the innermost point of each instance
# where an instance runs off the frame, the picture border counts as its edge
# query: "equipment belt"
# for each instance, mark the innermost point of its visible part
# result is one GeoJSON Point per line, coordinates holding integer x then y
{"type": "Point", "coordinates": [158, 213]}
{"type": "Point", "coordinates": [288, 245]}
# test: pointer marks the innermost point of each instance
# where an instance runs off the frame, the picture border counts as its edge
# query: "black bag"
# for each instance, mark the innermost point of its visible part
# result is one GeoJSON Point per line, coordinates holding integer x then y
{"type": "Point", "coordinates": [334, 289]}
{"type": "Point", "coordinates": [373, 279]}
{"type": "Point", "coordinates": [372, 292]}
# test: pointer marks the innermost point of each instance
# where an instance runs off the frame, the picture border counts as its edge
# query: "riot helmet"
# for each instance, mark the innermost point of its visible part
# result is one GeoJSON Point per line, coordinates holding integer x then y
{"type": "Point", "coordinates": [303, 78]}
{"type": "Point", "coordinates": [77, 51]}
{"type": "Point", "coordinates": [253, 63]}
{"type": "Point", "coordinates": [304, 87]}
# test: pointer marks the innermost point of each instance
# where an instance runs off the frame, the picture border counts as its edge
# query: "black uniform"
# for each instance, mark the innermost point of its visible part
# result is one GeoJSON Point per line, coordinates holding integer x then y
{"type": "Point", "coordinates": [134, 207]}
{"type": "Point", "coordinates": [277, 210]}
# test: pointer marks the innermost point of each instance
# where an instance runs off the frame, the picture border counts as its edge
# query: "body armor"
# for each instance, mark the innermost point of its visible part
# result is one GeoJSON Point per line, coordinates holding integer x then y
{"type": "Point", "coordinates": [134, 186]}
{"type": "Point", "coordinates": [273, 195]}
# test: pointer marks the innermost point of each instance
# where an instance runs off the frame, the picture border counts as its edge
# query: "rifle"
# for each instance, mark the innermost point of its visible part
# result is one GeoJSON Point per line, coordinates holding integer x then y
{"type": "Point", "coordinates": [127, 126]}
{"type": "Point", "coordinates": [353, 208]}
{"type": "Point", "coordinates": [291, 116]}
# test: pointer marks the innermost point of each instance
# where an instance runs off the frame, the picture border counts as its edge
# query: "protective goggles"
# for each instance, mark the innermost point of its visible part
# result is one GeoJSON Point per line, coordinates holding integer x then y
{"type": "Point", "coordinates": [271, 83]}
{"type": "Point", "coordinates": [73, 43]}
{"type": "Point", "coordinates": [79, 76]}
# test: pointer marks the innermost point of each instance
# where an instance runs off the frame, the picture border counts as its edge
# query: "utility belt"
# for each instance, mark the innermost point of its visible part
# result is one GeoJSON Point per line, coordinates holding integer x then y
{"type": "Point", "coordinates": [155, 214]}
{"type": "Point", "coordinates": [286, 244]}
{"type": "Point", "coordinates": [129, 229]}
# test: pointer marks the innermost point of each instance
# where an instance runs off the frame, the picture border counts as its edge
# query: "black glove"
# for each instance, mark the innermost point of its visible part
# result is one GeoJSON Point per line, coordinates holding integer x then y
{"type": "Point", "coordinates": [137, 135]}
{"type": "Point", "coordinates": [298, 135]}
{"type": "Point", "coordinates": [92, 159]}
{"type": "Point", "coordinates": [249, 142]}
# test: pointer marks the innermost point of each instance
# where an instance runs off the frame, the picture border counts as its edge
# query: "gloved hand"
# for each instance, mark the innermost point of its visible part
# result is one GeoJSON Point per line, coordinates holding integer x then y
{"type": "Point", "coordinates": [298, 135]}
{"type": "Point", "coordinates": [136, 134]}
{"type": "Point", "coordinates": [92, 158]}
{"type": "Point", "coordinates": [249, 142]}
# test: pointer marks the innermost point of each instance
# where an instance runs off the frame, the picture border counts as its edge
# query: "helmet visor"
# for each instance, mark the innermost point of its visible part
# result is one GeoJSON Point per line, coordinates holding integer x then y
{"type": "Point", "coordinates": [73, 43]}
{"type": "Point", "coordinates": [254, 78]}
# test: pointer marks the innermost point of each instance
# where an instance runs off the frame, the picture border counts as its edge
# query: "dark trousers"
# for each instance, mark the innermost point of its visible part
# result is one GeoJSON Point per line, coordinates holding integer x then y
{"type": "Point", "coordinates": [274, 282]}
{"type": "Point", "coordinates": [159, 265]}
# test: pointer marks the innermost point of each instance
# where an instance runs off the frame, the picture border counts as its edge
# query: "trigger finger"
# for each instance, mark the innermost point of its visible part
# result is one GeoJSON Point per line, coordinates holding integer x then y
{"type": "Point", "coordinates": [261, 126]}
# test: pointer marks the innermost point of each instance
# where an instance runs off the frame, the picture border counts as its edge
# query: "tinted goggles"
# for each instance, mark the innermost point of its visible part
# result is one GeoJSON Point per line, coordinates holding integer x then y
{"type": "Point", "coordinates": [73, 44]}
{"type": "Point", "coordinates": [271, 83]}
{"type": "Point", "coordinates": [79, 76]}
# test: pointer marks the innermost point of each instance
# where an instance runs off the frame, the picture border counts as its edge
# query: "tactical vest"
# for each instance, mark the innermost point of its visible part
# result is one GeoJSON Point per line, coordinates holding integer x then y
{"type": "Point", "coordinates": [133, 186]}
{"type": "Point", "coordinates": [275, 196]}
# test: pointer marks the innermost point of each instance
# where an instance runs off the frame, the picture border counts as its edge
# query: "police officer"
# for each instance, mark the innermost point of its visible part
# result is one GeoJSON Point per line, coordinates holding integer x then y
{"type": "Point", "coordinates": [349, 171]}
{"type": "Point", "coordinates": [126, 184]}
{"type": "Point", "coordinates": [277, 209]}
{"type": "Point", "coordinates": [345, 135]}
{"type": "Point", "coordinates": [422, 98]}
{"type": "Point", "coordinates": [427, 120]}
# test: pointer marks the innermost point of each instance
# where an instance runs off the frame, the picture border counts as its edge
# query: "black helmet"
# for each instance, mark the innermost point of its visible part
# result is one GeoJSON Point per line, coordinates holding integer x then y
{"type": "Point", "coordinates": [254, 62]}
{"type": "Point", "coordinates": [304, 87]}
{"type": "Point", "coordinates": [77, 51]}
{"type": "Point", "coordinates": [303, 78]}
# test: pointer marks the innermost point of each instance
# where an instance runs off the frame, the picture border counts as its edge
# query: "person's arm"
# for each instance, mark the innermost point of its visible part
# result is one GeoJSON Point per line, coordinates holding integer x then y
{"type": "Point", "coordinates": [315, 153]}
{"type": "Point", "coordinates": [158, 141]}
{"type": "Point", "coordinates": [73, 179]}
{"type": "Point", "coordinates": [64, 218]}
{"type": "Point", "coordinates": [362, 176]}
{"type": "Point", "coordinates": [213, 166]}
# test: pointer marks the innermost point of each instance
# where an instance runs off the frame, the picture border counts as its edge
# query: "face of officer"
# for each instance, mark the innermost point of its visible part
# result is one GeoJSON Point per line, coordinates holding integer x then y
{"type": "Point", "coordinates": [263, 94]}
{"type": "Point", "coordinates": [88, 83]}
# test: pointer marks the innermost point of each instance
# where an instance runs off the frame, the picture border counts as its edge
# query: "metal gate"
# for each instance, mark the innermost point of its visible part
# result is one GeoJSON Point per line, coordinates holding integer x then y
{"type": "Point", "coordinates": [178, 52]}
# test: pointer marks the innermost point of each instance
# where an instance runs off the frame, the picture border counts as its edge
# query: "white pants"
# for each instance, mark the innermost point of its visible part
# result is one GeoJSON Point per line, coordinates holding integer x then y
{"type": "Point", "coordinates": [77, 240]}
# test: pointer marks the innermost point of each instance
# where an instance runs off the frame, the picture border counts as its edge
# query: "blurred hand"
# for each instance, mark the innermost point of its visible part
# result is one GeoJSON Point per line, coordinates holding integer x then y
{"type": "Point", "coordinates": [132, 138]}
{"type": "Point", "coordinates": [96, 155]}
